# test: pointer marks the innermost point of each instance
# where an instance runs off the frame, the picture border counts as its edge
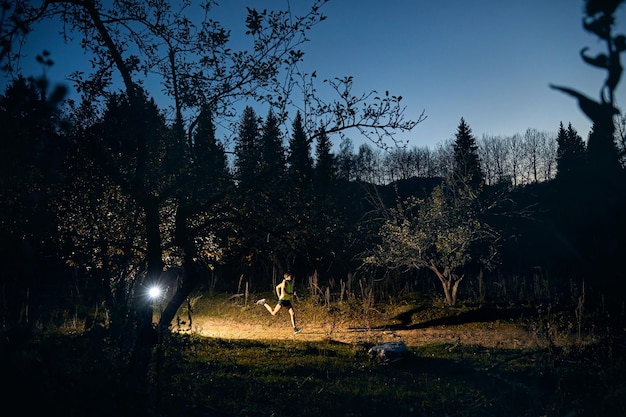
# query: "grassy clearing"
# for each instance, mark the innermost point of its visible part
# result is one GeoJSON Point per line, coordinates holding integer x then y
{"type": "Point", "coordinates": [312, 379]}
{"type": "Point", "coordinates": [199, 376]}
{"type": "Point", "coordinates": [243, 378]}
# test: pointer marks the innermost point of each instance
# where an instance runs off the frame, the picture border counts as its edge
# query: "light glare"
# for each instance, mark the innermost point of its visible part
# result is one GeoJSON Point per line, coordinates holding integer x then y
{"type": "Point", "coordinates": [154, 292]}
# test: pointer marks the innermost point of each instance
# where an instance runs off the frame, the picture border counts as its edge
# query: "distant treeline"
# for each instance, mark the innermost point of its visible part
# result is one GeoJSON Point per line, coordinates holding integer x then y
{"type": "Point", "coordinates": [283, 201]}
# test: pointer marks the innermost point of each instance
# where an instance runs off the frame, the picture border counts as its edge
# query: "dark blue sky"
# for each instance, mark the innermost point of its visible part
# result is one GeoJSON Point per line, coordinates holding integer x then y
{"type": "Point", "coordinates": [488, 61]}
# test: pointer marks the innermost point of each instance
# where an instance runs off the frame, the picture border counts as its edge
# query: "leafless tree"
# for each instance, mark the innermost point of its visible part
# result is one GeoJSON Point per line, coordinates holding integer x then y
{"type": "Point", "coordinates": [494, 155]}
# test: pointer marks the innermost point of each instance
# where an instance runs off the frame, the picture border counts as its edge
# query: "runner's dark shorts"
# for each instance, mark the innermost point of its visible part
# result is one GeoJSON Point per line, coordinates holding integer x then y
{"type": "Point", "coordinates": [284, 303]}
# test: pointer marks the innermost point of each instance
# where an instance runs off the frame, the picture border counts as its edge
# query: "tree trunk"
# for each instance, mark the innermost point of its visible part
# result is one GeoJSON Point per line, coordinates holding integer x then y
{"type": "Point", "coordinates": [192, 270]}
{"type": "Point", "coordinates": [449, 282]}
{"type": "Point", "coordinates": [147, 336]}
{"type": "Point", "coordinates": [444, 282]}
{"type": "Point", "coordinates": [455, 287]}
{"type": "Point", "coordinates": [448, 292]}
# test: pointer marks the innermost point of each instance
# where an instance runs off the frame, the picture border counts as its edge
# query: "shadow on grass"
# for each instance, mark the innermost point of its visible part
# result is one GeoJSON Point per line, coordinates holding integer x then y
{"type": "Point", "coordinates": [404, 321]}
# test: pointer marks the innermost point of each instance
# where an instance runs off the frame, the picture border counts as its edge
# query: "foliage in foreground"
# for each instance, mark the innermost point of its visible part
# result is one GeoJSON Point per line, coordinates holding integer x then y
{"type": "Point", "coordinates": [195, 376]}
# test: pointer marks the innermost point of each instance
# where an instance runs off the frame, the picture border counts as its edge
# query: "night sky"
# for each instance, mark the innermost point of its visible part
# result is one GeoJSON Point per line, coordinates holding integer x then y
{"type": "Point", "coordinates": [488, 61]}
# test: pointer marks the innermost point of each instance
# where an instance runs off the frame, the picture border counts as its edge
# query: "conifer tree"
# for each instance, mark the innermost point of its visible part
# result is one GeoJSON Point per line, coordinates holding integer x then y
{"type": "Point", "coordinates": [466, 161]}
{"type": "Point", "coordinates": [247, 149]}
{"type": "Point", "coordinates": [272, 169]}
{"type": "Point", "coordinates": [300, 163]}
{"type": "Point", "coordinates": [300, 180]}
{"type": "Point", "coordinates": [325, 161]}
{"type": "Point", "coordinates": [208, 155]}
{"type": "Point", "coordinates": [602, 153]}
{"type": "Point", "coordinates": [272, 161]}
{"type": "Point", "coordinates": [571, 153]}
{"type": "Point", "coordinates": [326, 226]}
{"type": "Point", "coordinates": [324, 184]}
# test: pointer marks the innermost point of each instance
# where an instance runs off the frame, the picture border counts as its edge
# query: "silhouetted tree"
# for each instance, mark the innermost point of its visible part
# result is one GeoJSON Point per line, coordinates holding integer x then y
{"type": "Point", "coordinates": [494, 154]}
{"type": "Point", "coordinates": [466, 162]}
{"type": "Point", "coordinates": [326, 223]}
{"type": "Point", "coordinates": [300, 193]}
{"type": "Point", "coordinates": [346, 160]}
{"type": "Point", "coordinates": [571, 154]}
{"type": "Point", "coordinates": [31, 154]}
{"type": "Point", "coordinates": [273, 196]}
{"type": "Point", "coordinates": [299, 160]}
{"type": "Point", "coordinates": [247, 150]}
{"type": "Point", "coordinates": [599, 226]}
{"type": "Point", "coordinates": [325, 169]}
{"type": "Point", "coordinates": [117, 175]}
{"type": "Point", "coordinates": [209, 161]}
{"type": "Point", "coordinates": [539, 156]}
{"type": "Point", "coordinates": [366, 168]}
{"type": "Point", "coordinates": [258, 196]}
{"type": "Point", "coordinates": [196, 65]}
{"type": "Point", "coordinates": [272, 155]}
{"type": "Point", "coordinates": [403, 163]}
{"type": "Point", "coordinates": [602, 153]}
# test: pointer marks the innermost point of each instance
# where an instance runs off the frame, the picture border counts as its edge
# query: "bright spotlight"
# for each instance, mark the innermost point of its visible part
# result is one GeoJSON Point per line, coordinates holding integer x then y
{"type": "Point", "coordinates": [154, 292]}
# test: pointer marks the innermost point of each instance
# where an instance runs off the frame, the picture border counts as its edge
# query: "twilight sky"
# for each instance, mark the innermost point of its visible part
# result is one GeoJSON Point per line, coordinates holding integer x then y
{"type": "Point", "coordinates": [488, 61]}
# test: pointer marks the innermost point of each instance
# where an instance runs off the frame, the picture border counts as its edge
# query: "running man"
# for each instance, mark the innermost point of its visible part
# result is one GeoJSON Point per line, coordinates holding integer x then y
{"type": "Point", "coordinates": [284, 291]}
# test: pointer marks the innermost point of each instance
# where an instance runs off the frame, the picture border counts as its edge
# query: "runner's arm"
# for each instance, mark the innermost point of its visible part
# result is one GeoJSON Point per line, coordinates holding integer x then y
{"type": "Point", "coordinates": [280, 288]}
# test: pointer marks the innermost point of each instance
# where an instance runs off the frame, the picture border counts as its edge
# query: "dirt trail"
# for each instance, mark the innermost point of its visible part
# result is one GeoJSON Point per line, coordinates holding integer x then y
{"type": "Point", "coordinates": [491, 335]}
